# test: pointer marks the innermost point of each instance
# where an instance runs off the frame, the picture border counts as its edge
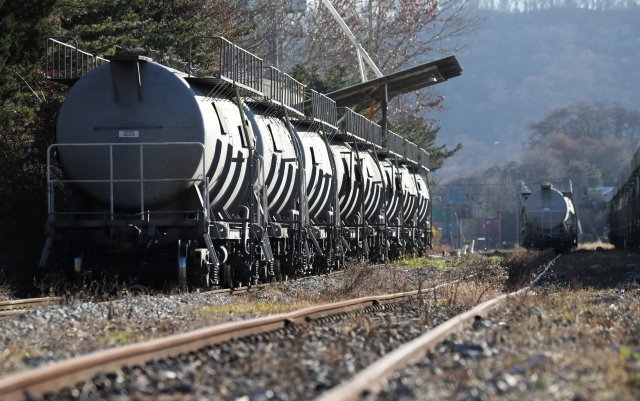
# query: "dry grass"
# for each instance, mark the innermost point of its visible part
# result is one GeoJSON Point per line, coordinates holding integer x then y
{"type": "Point", "coordinates": [480, 278]}
{"type": "Point", "coordinates": [592, 246]}
{"type": "Point", "coordinates": [593, 337]}
{"type": "Point", "coordinates": [247, 306]}
{"type": "Point", "coordinates": [5, 292]}
{"type": "Point", "coordinates": [365, 280]}
{"type": "Point", "coordinates": [522, 265]}
{"type": "Point", "coordinates": [559, 342]}
{"type": "Point", "coordinates": [90, 288]}
{"type": "Point", "coordinates": [113, 336]}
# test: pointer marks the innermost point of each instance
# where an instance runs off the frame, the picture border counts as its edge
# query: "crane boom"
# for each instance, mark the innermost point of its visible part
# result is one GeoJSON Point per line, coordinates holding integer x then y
{"type": "Point", "coordinates": [362, 54]}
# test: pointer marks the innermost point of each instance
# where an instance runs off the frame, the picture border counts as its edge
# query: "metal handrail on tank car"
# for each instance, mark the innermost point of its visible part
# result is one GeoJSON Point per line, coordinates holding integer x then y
{"type": "Point", "coordinates": [281, 88]}
{"type": "Point", "coordinates": [424, 159]}
{"type": "Point", "coordinates": [234, 64]}
{"type": "Point", "coordinates": [65, 61]}
{"type": "Point", "coordinates": [405, 150]}
{"type": "Point", "coordinates": [363, 128]}
{"type": "Point", "coordinates": [323, 109]}
{"type": "Point", "coordinates": [395, 145]}
{"type": "Point", "coordinates": [203, 194]}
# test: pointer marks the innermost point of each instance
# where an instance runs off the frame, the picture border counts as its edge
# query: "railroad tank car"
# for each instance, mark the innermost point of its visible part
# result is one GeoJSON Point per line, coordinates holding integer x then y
{"type": "Point", "coordinates": [624, 208]}
{"type": "Point", "coordinates": [242, 188]}
{"type": "Point", "coordinates": [548, 219]}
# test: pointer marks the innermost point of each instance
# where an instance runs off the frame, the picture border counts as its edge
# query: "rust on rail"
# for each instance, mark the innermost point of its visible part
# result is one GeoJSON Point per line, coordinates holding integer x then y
{"type": "Point", "coordinates": [370, 379]}
{"type": "Point", "coordinates": [49, 378]}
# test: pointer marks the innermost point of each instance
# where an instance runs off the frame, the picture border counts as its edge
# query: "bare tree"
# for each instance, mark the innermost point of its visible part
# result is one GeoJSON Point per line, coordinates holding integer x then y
{"type": "Point", "coordinates": [395, 33]}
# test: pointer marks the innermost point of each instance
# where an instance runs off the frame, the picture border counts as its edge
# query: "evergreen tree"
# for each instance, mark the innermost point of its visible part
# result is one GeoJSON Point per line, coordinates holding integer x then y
{"type": "Point", "coordinates": [22, 26]}
{"type": "Point", "coordinates": [25, 129]}
{"type": "Point", "coordinates": [424, 134]}
{"type": "Point", "coordinates": [162, 25]}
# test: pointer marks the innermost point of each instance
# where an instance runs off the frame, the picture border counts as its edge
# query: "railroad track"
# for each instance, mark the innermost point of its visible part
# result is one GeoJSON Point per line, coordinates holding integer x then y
{"type": "Point", "coordinates": [18, 306]}
{"type": "Point", "coordinates": [371, 378]}
{"type": "Point", "coordinates": [45, 379]}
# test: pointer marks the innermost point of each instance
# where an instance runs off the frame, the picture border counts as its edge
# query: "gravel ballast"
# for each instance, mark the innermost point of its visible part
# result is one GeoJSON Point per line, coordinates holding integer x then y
{"type": "Point", "coordinates": [290, 364]}
{"type": "Point", "coordinates": [59, 332]}
{"type": "Point", "coordinates": [575, 338]}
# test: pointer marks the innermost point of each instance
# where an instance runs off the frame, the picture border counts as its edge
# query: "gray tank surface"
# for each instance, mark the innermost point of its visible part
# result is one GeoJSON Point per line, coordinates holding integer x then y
{"type": "Point", "coordinates": [318, 171]}
{"type": "Point", "coordinates": [424, 197]}
{"type": "Point", "coordinates": [372, 178]}
{"type": "Point", "coordinates": [277, 150]}
{"type": "Point", "coordinates": [113, 105]}
{"type": "Point", "coordinates": [547, 208]}
{"type": "Point", "coordinates": [348, 189]}
{"type": "Point", "coordinates": [409, 193]}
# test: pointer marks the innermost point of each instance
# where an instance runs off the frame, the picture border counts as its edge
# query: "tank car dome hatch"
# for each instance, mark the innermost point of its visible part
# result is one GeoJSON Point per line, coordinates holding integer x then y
{"type": "Point", "coordinates": [547, 207]}
{"type": "Point", "coordinates": [127, 102]}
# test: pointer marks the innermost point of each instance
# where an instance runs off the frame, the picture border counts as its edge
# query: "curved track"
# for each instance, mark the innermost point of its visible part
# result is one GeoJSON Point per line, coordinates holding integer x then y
{"type": "Point", "coordinates": [370, 379]}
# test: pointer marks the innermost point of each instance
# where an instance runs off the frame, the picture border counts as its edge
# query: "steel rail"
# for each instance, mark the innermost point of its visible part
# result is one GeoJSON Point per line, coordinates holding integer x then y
{"type": "Point", "coordinates": [370, 379]}
{"type": "Point", "coordinates": [21, 386]}
{"type": "Point", "coordinates": [19, 305]}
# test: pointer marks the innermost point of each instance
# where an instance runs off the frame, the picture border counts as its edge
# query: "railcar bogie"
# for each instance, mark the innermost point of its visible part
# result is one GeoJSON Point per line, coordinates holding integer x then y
{"type": "Point", "coordinates": [624, 208]}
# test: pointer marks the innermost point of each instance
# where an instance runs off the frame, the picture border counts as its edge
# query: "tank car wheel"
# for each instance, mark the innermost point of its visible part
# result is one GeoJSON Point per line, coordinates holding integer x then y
{"type": "Point", "coordinates": [323, 265]}
{"type": "Point", "coordinates": [198, 269]}
{"type": "Point", "coordinates": [266, 271]}
{"type": "Point", "coordinates": [277, 269]}
{"type": "Point", "coordinates": [227, 273]}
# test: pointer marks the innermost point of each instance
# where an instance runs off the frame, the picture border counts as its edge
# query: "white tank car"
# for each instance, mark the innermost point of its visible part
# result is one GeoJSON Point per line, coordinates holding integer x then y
{"type": "Point", "coordinates": [392, 194]}
{"type": "Point", "coordinates": [359, 183]}
{"type": "Point", "coordinates": [410, 195]}
{"type": "Point", "coordinates": [548, 219]}
{"type": "Point", "coordinates": [372, 179]}
{"type": "Point", "coordinates": [346, 184]}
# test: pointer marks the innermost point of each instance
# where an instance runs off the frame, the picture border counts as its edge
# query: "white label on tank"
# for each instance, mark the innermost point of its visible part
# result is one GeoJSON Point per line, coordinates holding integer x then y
{"type": "Point", "coordinates": [128, 133]}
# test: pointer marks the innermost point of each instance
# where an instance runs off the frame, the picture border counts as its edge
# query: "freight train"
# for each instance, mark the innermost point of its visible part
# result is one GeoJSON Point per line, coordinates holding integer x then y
{"type": "Point", "coordinates": [624, 208]}
{"type": "Point", "coordinates": [548, 219]}
{"type": "Point", "coordinates": [241, 172]}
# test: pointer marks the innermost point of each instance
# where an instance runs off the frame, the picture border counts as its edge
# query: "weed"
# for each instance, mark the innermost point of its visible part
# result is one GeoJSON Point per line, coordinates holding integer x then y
{"type": "Point", "coordinates": [5, 291]}
{"type": "Point", "coordinates": [111, 337]}
{"type": "Point", "coordinates": [522, 265]}
{"type": "Point", "coordinates": [423, 263]}
{"type": "Point", "coordinates": [541, 382]}
{"type": "Point", "coordinates": [89, 287]}
{"type": "Point", "coordinates": [252, 307]}
{"type": "Point", "coordinates": [12, 353]}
